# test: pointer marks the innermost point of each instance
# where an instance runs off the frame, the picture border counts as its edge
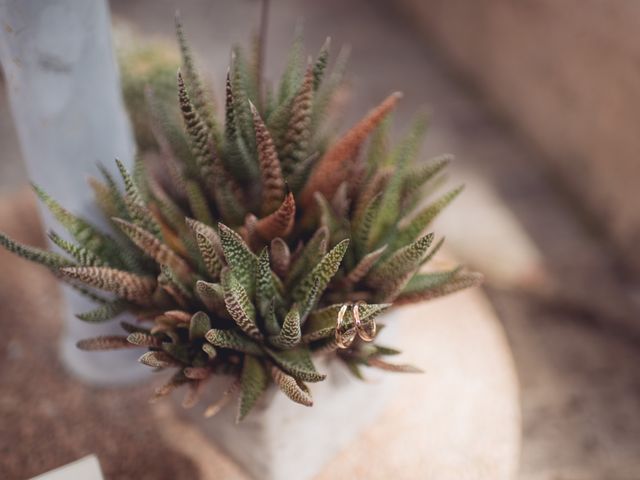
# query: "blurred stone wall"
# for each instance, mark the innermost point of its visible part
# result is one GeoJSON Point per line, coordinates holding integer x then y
{"type": "Point", "coordinates": [567, 74]}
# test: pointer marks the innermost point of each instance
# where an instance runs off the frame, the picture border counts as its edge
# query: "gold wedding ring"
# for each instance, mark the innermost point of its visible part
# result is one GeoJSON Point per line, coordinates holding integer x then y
{"type": "Point", "coordinates": [344, 339]}
{"type": "Point", "coordinates": [365, 335]}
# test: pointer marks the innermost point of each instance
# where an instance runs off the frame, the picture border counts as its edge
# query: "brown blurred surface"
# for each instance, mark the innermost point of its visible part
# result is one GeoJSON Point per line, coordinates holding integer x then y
{"type": "Point", "coordinates": [566, 75]}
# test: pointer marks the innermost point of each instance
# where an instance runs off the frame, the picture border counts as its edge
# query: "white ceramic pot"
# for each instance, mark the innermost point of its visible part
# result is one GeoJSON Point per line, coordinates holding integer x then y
{"type": "Point", "coordinates": [281, 439]}
{"type": "Point", "coordinates": [67, 107]}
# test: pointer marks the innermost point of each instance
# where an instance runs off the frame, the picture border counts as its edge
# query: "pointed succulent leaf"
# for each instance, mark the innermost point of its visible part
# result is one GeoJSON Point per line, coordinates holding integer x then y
{"type": "Point", "coordinates": [212, 295]}
{"type": "Point", "coordinates": [296, 138]}
{"type": "Point", "coordinates": [253, 382]}
{"type": "Point", "coordinates": [405, 260]}
{"type": "Point", "coordinates": [297, 363]}
{"type": "Point", "coordinates": [136, 207]}
{"type": "Point", "coordinates": [329, 88]}
{"type": "Point", "coordinates": [200, 138]}
{"type": "Point", "coordinates": [386, 351]}
{"type": "Point", "coordinates": [198, 202]}
{"type": "Point", "coordinates": [422, 173]}
{"type": "Point", "coordinates": [241, 86]}
{"type": "Point", "coordinates": [273, 186]}
{"type": "Point", "coordinates": [378, 150]}
{"type": "Point", "coordinates": [322, 272]}
{"type": "Point", "coordinates": [236, 158]}
{"type": "Point", "coordinates": [315, 248]}
{"type": "Point", "coordinates": [280, 257]}
{"type": "Point", "coordinates": [279, 223]}
{"type": "Point", "coordinates": [426, 281]}
{"type": "Point", "coordinates": [104, 312]}
{"type": "Point", "coordinates": [178, 352]}
{"type": "Point", "coordinates": [310, 301]}
{"type": "Point", "coordinates": [209, 350]}
{"type": "Point", "coordinates": [458, 282]}
{"type": "Point", "coordinates": [232, 340]}
{"type": "Point", "coordinates": [158, 360]}
{"type": "Point", "coordinates": [51, 260]}
{"type": "Point", "coordinates": [176, 381]}
{"type": "Point", "coordinates": [266, 289]}
{"type": "Point", "coordinates": [292, 73]}
{"type": "Point", "coordinates": [201, 100]}
{"type": "Point", "coordinates": [108, 195]}
{"type": "Point", "coordinates": [82, 255]}
{"type": "Point", "coordinates": [390, 367]}
{"type": "Point", "coordinates": [363, 267]}
{"type": "Point", "coordinates": [87, 235]}
{"type": "Point", "coordinates": [154, 248]}
{"type": "Point", "coordinates": [335, 166]}
{"type": "Point", "coordinates": [239, 305]}
{"type": "Point", "coordinates": [338, 227]}
{"type": "Point", "coordinates": [290, 334]}
{"type": "Point", "coordinates": [200, 324]}
{"type": "Point", "coordinates": [414, 227]}
{"type": "Point", "coordinates": [209, 245]}
{"type": "Point", "coordinates": [239, 257]}
{"type": "Point", "coordinates": [142, 339]}
{"type": "Point", "coordinates": [106, 342]}
{"type": "Point", "coordinates": [292, 388]}
{"type": "Point", "coordinates": [320, 64]}
{"type": "Point", "coordinates": [129, 286]}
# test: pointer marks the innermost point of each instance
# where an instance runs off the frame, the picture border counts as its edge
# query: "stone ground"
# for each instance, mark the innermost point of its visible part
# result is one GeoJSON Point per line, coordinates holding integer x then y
{"type": "Point", "coordinates": [565, 301]}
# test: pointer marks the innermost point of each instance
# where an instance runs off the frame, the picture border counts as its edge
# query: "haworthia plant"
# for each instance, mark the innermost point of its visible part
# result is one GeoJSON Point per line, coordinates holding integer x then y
{"type": "Point", "coordinates": [237, 245]}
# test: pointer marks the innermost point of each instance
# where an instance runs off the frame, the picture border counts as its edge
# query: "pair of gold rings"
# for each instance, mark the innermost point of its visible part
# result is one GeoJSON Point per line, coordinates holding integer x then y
{"type": "Point", "coordinates": [344, 338]}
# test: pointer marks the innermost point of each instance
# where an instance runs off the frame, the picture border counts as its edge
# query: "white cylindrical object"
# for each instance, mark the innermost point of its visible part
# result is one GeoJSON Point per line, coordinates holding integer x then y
{"type": "Point", "coordinates": [64, 91]}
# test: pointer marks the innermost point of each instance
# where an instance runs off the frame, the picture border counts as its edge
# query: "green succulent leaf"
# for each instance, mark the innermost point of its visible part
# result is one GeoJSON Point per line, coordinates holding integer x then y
{"type": "Point", "coordinates": [253, 382]}
{"type": "Point", "coordinates": [239, 305]}
{"type": "Point", "coordinates": [200, 324]}
{"type": "Point", "coordinates": [297, 363]}
{"type": "Point", "coordinates": [322, 272]}
{"type": "Point", "coordinates": [290, 333]}
{"type": "Point", "coordinates": [232, 340]}
{"type": "Point", "coordinates": [104, 312]}
{"type": "Point", "coordinates": [241, 260]}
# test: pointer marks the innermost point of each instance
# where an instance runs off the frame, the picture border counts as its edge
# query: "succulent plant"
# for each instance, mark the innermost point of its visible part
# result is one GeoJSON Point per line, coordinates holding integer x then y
{"type": "Point", "coordinates": [238, 238]}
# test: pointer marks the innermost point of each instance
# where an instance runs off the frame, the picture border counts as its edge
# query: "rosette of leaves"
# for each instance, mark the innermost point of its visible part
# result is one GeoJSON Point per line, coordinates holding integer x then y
{"type": "Point", "coordinates": [236, 247]}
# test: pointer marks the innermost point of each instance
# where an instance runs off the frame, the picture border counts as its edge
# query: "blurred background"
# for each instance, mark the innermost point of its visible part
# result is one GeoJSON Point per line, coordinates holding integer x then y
{"type": "Point", "coordinates": [538, 101]}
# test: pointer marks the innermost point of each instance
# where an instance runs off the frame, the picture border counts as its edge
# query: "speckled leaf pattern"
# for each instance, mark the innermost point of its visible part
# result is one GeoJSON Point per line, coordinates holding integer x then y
{"type": "Point", "coordinates": [242, 262]}
{"type": "Point", "coordinates": [239, 305]}
{"type": "Point", "coordinates": [232, 340]}
{"type": "Point", "coordinates": [142, 339]}
{"type": "Point", "coordinates": [153, 247]}
{"type": "Point", "coordinates": [199, 325]}
{"type": "Point", "coordinates": [297, 363]}
{"type": "Point", "coordinates": [106, 342]}
{"type": "Point", "coordinates": [124, 284]}
{"type": "Point", "coordinates": [290, 333]}
{"type": "Point", "coordinates": [253, 382]}
{"type": "Point", "coordinates": [273, 186]}
{"type": "Point", "coordinates": [322, 273]}
{"type": "Point", "coordinates": [51, 260]}
{"type": "Point", "coordinates": [403, 261]}
{"type": "Point", "coordinates": [421, 221]}
{"type": "Point", "coordinates": [292, 388]}
{"type": "Point", "coordinates": [104, 312]}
